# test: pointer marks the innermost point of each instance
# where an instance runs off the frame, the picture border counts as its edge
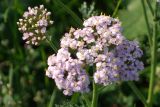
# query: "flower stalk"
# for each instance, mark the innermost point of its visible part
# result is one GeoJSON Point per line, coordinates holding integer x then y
{"type": "Point", "coordinates": [147, 23]}
{"type": "Point", "coordinates": [52, 99]}
{"type": "Point", "coordinates": [150, 7]}
{"type": "Point", "coordinates": [153, 59]}
{"type": "Point", "coordinates": [94, 95]}
{"type": "Point", "coordinates": [52, 45]}
{"type": "Point", "coordinates": [137, 92]}
{"type": "Point", "coordinates": [116, 9]}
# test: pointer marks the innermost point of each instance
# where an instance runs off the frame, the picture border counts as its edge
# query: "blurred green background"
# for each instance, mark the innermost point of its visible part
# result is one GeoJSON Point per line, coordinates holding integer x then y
{"type": "Point", "coordinates": [22, 68]}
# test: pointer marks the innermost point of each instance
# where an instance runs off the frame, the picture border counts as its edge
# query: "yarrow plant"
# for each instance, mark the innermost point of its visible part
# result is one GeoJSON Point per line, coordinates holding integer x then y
{"type": "Point", "coordinates": [101, 45]}
{"type": "Point", "coordinates": [34, 23]}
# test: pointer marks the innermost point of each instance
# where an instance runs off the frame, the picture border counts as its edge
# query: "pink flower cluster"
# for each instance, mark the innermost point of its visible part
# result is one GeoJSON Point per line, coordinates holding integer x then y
{"type": "Point", "coordinates": [67, 72]}
{"type": "Point", "coordinates": [34, 24]}
{"type": "Point", "coordinates": [99, 44]}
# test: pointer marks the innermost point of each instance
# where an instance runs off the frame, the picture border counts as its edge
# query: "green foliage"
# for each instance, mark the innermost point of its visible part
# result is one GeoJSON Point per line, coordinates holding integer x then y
{"type": "Point", "coordinates": [67, 104]}
{"type": "Point", "coordinates": [133, 20]}
{"type": "Point", "coordinates": [88, 11]}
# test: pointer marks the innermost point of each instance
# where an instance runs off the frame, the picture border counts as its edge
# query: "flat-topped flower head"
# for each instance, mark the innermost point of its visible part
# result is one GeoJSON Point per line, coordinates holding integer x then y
{"type": "Point", "coordinates": [34, 23]}
{"type": "Point", "coordinates": [101, 45]}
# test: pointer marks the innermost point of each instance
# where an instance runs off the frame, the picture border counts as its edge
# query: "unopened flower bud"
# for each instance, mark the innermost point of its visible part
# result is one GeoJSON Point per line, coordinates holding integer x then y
{"type": "Point", "coordinates": [35, 24]}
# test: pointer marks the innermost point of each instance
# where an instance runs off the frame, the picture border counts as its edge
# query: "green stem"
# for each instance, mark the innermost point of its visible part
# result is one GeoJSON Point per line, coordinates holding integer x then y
{"type": "Point", "coordinates": [74, 98]}
{"type": "Point", "coordinates": [11, 80]}
{"type": "Point", "coordinates": [85, 97]}
{"type": "Point", "coordinates": [116, 9]}
{"type": "Point", "coordinates": [153, 59]}
{"type": "Point", "coordinates": [94, 96]}
{"type": "Point", "coordinates": [147, 23]}
{"type": "Point", "coordinates": [52, 99]}
{"type": "Point", "coordinates": [137, 92]}
{"type": "Point", "coordinates": [69, 11]}
{"type": "Point", "coordinates": [52, 45]}
{"type": "Point", "coordinates": [150, 7]}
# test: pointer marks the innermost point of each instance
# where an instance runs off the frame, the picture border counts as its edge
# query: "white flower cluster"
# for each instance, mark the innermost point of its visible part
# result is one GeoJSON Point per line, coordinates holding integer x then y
{"type": "Point", "coordinates": [34, 24]}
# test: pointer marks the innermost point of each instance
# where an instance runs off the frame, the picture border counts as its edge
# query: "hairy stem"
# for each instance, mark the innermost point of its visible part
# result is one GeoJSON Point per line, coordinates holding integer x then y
{"type": "Point", "coordinates": [153, 59]}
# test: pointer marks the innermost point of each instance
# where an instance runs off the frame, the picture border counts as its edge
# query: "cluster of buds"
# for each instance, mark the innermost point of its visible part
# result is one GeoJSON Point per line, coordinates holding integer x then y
{"type": "Point", "coordinates": [34, 24]}
{"type": "Point", "coordinates": [99, 44]}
